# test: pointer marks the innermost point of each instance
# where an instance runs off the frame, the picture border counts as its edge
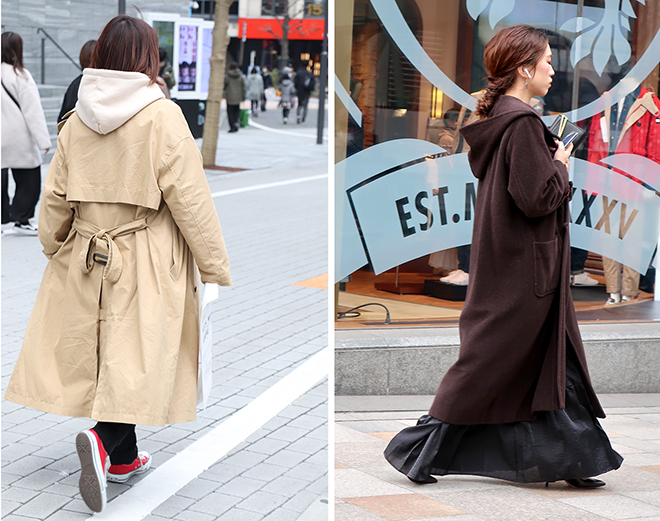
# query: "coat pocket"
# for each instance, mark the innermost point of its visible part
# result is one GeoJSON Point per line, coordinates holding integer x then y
{"type": "Point", "coordinates": [547, 266]}
{"type": "Point", "coordinates": [177, 252]}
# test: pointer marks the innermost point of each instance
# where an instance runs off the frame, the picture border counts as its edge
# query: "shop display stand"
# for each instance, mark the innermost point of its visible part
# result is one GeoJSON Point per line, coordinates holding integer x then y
{"type": "Point", "coordinates": [437, 289]}
{"type": "Point", "coordinates": [409, 288]}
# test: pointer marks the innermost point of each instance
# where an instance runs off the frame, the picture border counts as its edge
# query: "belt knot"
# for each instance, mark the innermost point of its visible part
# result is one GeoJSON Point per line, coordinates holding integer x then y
{"type": "Point", "coordinates": [97, 238]}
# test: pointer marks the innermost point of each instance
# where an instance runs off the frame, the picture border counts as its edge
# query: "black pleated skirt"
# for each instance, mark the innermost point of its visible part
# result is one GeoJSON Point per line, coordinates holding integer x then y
{"type": "Point", "coordinates": [558, 445]}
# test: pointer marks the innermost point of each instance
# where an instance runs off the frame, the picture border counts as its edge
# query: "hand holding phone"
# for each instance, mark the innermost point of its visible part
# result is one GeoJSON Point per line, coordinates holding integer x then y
{"type": "Point", "coordinates": [563, 153]}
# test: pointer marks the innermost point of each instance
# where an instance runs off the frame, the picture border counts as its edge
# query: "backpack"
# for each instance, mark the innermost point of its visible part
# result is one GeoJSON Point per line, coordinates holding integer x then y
{"type": "Point", "coordinates": [309, 82]}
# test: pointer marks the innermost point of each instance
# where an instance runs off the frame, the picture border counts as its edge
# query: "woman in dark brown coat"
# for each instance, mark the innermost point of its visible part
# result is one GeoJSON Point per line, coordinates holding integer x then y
{"type": "Point", "coordinates": [518, 404]}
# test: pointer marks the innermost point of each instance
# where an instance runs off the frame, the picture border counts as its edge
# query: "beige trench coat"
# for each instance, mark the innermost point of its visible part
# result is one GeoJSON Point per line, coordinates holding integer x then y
{"type": "Point", "coordinates": [118, 342]}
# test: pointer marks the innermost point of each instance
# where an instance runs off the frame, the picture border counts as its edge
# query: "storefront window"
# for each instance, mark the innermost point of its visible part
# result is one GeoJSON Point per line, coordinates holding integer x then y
{"type": "Point", "coordinates": [273, 7]}
{"type": "Point", "coordinates": [409, 73]}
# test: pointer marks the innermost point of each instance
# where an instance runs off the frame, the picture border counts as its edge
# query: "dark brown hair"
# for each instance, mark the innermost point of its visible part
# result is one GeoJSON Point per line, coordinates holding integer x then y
{"type": "Point", "coordinates": [516, 46]}
{"type": "Point", "coordinates": [12, 50]}
{"type": "Point", "coordinates": [127, 44]}
{"type": "Point", "coordinates": [85, 57]}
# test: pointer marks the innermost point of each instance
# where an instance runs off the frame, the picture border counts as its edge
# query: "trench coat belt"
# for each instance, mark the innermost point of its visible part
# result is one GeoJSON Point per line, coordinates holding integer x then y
{"type": "Point", "coordinates": [113, 264]}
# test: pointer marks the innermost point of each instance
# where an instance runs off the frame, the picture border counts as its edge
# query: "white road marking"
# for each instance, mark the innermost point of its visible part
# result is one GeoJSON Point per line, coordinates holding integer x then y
{"type": "Point", "coordinates": [166, 480]}
{"type": "Point", "coordinates": [268, 185]}
{"type": "Point", "coordinates": [278, 131]}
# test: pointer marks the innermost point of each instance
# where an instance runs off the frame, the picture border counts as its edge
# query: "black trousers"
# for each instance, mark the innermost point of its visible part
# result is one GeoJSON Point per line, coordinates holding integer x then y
{"type": "Point", "coordinates": [232, 116]}
{"type": "Point", "coordinates": [463, 254]}
{"type": "Point", "coordinates": [28, 189]}
{"type": "Point", "coordinates": [302, 106]}
{"type": "Point", "coordinates": [119, 441]}
{"type": "Point", "coordinates": [578, 258]}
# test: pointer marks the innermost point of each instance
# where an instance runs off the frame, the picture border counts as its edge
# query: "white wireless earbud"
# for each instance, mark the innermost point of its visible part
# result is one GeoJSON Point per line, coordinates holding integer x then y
{"type": "Point", "coordinates": [527, 72]}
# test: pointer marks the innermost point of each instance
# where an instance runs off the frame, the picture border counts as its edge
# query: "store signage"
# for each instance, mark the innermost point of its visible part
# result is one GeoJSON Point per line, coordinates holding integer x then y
{"type": "Point", "coordinates": [616, 214]}
{"type": "Point", "coordinates": [406, 198]}
{"type": "Point", "coordinates": [272, 29]}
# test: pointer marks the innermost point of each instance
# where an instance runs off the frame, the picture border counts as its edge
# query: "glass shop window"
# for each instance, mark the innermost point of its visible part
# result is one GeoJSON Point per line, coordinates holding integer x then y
{"type": "Point", "coordinates": [409, 73]}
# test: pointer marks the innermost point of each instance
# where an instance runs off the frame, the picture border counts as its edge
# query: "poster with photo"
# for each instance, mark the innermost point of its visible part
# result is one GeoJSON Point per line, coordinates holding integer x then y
{"type": "Point", "coordinates": [187, 57]}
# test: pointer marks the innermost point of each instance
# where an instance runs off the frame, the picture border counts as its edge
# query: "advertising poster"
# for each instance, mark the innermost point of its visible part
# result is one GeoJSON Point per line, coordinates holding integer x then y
{"type": "Point", "coordinates": [187, 57]}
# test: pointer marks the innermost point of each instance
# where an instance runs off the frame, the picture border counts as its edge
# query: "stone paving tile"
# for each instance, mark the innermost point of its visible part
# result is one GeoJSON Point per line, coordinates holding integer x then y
{"type": "Point", "coordinates": [632, 492]}
{"type": "Point", "coordinates": [42, 505]}
{"type": "Point", "coordinates": [173, 506]}
{"type": "Point", "coordinates": [64, 515]}
{"type": "Point", "coordinates": [262, 502]}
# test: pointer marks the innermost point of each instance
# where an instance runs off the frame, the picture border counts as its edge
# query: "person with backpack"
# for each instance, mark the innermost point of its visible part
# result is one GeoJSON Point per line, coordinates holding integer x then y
{"type": "Point", "coordinates": [304, 83]}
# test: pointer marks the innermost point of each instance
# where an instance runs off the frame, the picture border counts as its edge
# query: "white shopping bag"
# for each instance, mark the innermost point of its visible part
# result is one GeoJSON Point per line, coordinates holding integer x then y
{"type": "Point", "coordinates": [205, 356]}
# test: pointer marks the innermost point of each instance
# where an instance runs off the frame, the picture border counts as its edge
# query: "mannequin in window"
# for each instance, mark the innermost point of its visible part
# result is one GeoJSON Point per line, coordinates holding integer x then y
{"type": "Point", "coordinates": [631, 126]}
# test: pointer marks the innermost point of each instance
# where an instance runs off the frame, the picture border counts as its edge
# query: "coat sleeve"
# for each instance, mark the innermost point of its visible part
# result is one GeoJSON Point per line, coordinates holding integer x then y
{"type": "Point", "coordinates": [55, 214]}
{"type": "Point", "coordinates": [653, 137]}
{"type": "Point", "coordinates": [28, 99]}
{"type": "Point", "coordinates": [188, 197]}
{"type": "Point", "coordinates": [537, 183]}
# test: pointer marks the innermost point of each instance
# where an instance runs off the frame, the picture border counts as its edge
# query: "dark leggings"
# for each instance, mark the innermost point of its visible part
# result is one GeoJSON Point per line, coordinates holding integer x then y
{"type": "Point", "coordinates": [119, 441]}
{"type": "Point", "coordinates": [28, 188]}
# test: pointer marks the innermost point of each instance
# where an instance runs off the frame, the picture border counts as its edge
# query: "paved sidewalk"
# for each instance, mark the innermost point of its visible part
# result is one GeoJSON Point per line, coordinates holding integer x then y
{"type": "Point", "coordinates": [369, 489]}
{"type": "Point", "coordinates": [273, 320]}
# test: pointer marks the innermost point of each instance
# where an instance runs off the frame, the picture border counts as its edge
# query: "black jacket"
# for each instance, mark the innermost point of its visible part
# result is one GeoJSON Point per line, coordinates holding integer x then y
{"type": "Point", "coordinates": [70, 98]}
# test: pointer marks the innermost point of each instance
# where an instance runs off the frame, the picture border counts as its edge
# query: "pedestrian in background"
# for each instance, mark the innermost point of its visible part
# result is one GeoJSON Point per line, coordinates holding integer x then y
{"type": "Point", "coordinates": [255, 89]}
{"type": "Point", "coordinates": [234, 94]}
{"type": "Point", "coordinates": [518, 404]}
{"type": "Point", "coordinates": [287, 91]}
{"type": "Point", "coordinates": [24, 135]}
{"type": "Point", "coordinates": [304, 83]}
{"type": "Point", "coordinates": [126, 221]}
{"type": "Point", "coordinates": [71, 95]}
{"type": "Point", "coordinates": [268, 84]}
{"type": "Point", "coordinates": [165, 70]}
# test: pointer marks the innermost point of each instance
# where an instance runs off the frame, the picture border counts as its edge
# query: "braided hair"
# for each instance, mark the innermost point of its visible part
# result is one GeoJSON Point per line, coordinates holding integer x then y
{"type": "Point", "coordinates": [516, 46]}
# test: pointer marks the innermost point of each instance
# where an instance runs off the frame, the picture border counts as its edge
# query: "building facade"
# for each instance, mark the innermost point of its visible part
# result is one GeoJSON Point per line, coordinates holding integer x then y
{"type": "Point", "coordinates": [70, 24]}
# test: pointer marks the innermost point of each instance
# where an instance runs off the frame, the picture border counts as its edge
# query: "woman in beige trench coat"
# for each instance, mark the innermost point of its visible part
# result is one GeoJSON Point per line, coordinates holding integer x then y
{"type": "Point", "coordinates": [126, 220]}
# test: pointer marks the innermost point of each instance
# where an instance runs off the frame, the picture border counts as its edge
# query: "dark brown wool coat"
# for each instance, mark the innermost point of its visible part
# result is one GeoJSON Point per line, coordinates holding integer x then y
{"type": "Point", "coordinates": [519, 310]}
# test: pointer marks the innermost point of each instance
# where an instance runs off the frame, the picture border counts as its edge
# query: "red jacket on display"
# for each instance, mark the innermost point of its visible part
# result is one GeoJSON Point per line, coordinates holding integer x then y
{"type": "Point", "coordinates": [639, 135]}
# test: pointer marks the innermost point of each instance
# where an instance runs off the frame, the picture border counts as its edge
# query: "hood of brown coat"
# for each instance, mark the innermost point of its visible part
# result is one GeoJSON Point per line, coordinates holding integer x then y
{"type": "Point", "coordinates": [485, 136]}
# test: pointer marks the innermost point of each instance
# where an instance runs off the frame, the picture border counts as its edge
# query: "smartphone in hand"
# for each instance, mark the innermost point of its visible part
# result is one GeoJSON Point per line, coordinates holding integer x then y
{"type": "Point", "coordinates": [569, 139]}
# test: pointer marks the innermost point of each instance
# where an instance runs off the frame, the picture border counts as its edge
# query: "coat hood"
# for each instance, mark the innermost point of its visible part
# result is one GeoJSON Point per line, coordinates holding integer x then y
{"type": "Point", "coordinates": [234, 73]}
{"type": "Point", "coordinates": [485, 136]}
{"type": "Point", "coordinates": [107, 99]}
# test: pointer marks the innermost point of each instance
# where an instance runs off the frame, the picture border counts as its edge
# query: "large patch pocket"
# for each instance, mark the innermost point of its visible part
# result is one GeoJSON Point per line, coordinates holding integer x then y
{"type": "Point", "coordinates": [547, 267]}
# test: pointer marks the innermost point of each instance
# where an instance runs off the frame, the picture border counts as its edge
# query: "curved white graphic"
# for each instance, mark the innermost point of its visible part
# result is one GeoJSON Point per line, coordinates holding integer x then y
{"type": "Point", "coordinates": [348, 102]}
{"type": "Point", "coordinates": [397, 27]}
{"type": "Point", "coordinates": [404, 199]}
{"type": "Point", "coordinates": [606, 37]}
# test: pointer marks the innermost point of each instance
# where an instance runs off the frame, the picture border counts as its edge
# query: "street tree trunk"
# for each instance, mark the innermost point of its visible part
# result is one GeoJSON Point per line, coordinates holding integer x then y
{"type": "Point", "coordinates": [216, 82]}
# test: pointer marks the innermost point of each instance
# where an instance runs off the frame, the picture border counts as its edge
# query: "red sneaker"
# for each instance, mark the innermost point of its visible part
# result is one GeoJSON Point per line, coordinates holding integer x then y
{"type": "Point", "coordinates": [121, 473]}
{"type": "Point", "coordinates": [93, 465]}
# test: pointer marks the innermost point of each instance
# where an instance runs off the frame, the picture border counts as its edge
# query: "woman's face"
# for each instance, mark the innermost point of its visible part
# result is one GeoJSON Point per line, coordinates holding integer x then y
{"type": "Point", "coordinates": [542, 75]}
